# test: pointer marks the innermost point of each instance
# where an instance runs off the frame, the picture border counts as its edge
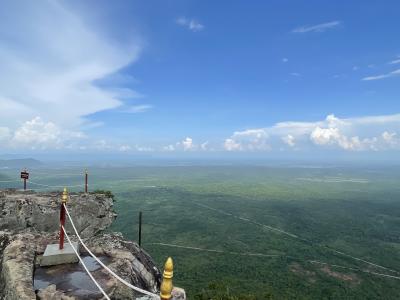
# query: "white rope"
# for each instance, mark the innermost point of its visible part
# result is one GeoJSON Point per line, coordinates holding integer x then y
{"type": "Point", "coordinates": [84, 266]}
{"type": "Point", "coordinates": [104, 266]}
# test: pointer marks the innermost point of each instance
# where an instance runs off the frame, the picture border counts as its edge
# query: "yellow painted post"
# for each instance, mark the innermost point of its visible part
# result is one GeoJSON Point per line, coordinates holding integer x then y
{"type": "Point", "coordinates": [65, 196]}
{"type": "Point", "coordinates": [166, 284]}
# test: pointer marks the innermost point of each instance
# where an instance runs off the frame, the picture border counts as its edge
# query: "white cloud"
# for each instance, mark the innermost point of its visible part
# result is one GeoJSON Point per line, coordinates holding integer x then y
{"type": "Point", "coordinates": [190, 24]}
{"type": "Point", "coordinates": [295, 74]}
{"type": "Point", "coordinates": [332, 136]}
{"type": "Point", "coordinates": [50, 61]}
{"type": "Point", "coordinates": [144, 149]}
{"type": "Point", "coordinates": [37, 133]}
{"type": "Point", "coordinates": [317, 28]}
{"type": "Point", "coordinates": [125, 148]}
{"type": "Point", "coordinates": [232, 145]}
{"type": "Point", "coordinates": [204, 146]}
{"type": "Point", "coordinates": [289, 140]}
{"type": "Point", "coordinates": [352, 134]}
{"type": "Point", "coordinates": [285, 60]}
{"type": "Point", "coordinates": [4, 133]}
{"type": "Point", "coordinates": [391, 138]}
{"type": "Point", "coordinates": [169, 148]}
{"type": "Point", "coordinates": [187, 144]}
{"type": "Point", "coordinates": [248, 140]}
{"type": "Point", "coordinates": [382, 76]}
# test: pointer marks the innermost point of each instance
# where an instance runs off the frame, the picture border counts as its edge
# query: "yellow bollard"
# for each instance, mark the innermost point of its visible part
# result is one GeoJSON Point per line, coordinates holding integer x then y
{"type": "Point", "coordinates": [166, 284]}
{"type": "Point", "coordinates": [65, 196]}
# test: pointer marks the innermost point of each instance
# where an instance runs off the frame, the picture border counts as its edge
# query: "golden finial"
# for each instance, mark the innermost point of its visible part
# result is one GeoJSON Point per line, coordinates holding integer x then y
{"type": "Point", "coordinates": [65, 196]}
{"type": "Point", "coordinates": [166, 284]}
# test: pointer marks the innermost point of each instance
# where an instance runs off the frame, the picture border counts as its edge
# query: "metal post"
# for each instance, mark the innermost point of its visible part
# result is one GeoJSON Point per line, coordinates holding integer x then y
{"type": "Point", "coordinates": [166, 284]}
{"type": "Point", "coordinates": [25, 175]}
{"type": "Point", "coordinates": [86, 181]}
{"type": "Point", "coordinates": [140, 229]}
{"type": "Point", "coordinates": [62, 218]}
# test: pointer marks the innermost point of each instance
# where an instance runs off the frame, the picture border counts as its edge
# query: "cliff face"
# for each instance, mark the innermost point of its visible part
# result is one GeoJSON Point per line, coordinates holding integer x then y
{"type": "Point", "coordinates": [92, 213]}
{"type": "Point", "coordinates": [29, 221]}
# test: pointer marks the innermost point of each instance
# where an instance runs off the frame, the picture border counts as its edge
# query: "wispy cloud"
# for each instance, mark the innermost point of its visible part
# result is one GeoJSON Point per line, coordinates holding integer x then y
{"type": "Point", "coordinates": [317, 28]}
{"type": "Point", "coordinates": [51, 61]}
{"type": "Point", "coordinates": [285, 60]}
{"type": "Point", "coordinates": [191, 24]}
{"type": "Point", "coordinates": [134, 109]}
{"type": "Point", "coordinates": [396, 61]}
{"type": "Point", "coordinates": [383, 76]}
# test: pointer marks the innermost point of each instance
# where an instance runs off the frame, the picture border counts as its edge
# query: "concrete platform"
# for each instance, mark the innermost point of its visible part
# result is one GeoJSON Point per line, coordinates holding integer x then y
{"type": "Point", "coordinates": [53, 256]}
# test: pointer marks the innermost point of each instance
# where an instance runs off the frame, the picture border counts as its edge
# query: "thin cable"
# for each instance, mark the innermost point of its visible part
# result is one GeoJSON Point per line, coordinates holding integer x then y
{"type": "Point", "coordinates": [54, 186]}
{"type": "Point", "coordinates": [84, 266]}
{"type": "Point", "coordinates": [298, 238]}
{"type": "Point", "coordinates": [277, 255]}
{"type": "Point", "coordinates": [216, 251]}
{"type": "Point", "coordinates": [353, 269]}
{"type": "Point", "coordinates": [104, 266]}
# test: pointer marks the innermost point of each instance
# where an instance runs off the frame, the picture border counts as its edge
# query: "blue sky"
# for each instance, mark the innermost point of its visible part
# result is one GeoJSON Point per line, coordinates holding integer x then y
{"type": "Point", "coordinates": [200, 76]}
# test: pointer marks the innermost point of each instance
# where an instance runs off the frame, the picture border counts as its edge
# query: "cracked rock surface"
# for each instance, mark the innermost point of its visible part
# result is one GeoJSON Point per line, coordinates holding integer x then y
{"type": "Point", "coordinates": [21, 255]}
{"type": "Point", "coordinates": [92, 213]}
{"type": "Point", "coordinates": [29, 221]}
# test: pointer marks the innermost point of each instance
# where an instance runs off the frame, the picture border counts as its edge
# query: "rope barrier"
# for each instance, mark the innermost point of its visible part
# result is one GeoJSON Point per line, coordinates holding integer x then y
{"type": "Point", "coordinates": [104, 266]}
{"type": "Point", "coordinates": [298, 238]}
{"type": "Point", "coordinates": [84, 266]}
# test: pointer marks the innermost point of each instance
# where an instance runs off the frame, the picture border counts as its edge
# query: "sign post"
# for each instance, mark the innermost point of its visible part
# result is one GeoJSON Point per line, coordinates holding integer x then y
{"type": "Point", "coordinates": [62, 218]}
{"type": "Point", "coordinates": [25, 177]}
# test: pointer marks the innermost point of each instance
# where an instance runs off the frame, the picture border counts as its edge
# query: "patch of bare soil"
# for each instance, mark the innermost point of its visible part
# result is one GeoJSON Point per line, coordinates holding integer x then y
{"type": "Point", "coordinates": [299, 270]}
{"type": "Point", "coordinates": [352, 278]}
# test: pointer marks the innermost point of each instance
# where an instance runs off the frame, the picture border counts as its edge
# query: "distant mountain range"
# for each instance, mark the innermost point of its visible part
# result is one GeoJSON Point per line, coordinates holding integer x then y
{"type": "Point", "coordinates": [19, 163]}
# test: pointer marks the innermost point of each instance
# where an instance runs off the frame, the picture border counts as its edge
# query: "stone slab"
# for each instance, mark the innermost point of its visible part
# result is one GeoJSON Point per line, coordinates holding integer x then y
{"type": "Point", "coordinates": [54, 256]}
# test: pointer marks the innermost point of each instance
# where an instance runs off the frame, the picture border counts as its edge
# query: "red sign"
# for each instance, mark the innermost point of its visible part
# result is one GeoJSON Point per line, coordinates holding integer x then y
{"type": "Point", "coordinates": [24, 175]}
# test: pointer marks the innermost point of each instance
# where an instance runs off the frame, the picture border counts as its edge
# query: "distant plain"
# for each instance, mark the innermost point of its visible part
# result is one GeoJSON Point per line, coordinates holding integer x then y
{"type": "Point", "coordinates": [256, 232]}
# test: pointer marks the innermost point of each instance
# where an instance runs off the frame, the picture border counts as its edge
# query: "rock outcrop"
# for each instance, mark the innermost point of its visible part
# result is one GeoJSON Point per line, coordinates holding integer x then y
{"type": "Point", "coordinates": [29, 222]}
{"type": "Point", "coordinates": [92, 213]}
{"type": "Point", "coordinates": [23, 251]}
